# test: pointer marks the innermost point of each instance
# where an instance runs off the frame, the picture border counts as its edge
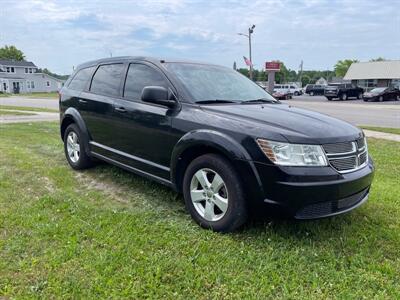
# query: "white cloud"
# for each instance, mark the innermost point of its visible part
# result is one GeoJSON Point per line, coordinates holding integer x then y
{"type": "Point", "coordinates": [59, 34]}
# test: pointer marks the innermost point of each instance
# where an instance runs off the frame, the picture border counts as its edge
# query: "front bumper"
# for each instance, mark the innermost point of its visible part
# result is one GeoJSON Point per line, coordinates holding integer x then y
{"type": "Point", "coordinates": [310, 193]}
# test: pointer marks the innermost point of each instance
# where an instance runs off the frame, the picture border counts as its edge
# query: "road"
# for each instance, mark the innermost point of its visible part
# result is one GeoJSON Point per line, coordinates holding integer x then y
{"type": "Point", "coordinates": [51, 103]}
{"type": "Point", "coordinates": [357, 112]}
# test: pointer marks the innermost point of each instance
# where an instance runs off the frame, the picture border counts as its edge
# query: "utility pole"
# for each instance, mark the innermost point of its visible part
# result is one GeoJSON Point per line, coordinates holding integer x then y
{"type": "Point", "coordinates": [251, 30]}
{"type": "Point", "coordinates": [301, 73]}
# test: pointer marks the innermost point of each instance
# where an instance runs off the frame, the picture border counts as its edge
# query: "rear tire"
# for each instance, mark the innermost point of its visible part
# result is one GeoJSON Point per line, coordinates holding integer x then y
{"type": "Point", "coordinates": [216, 203]}
{"type": "Point", "coordinates": [311, 94]}
{"type": "Point", "coordinates": [380, 99]}
{"type": "Point", "coordinates": [343, 97]}
{"type": "Point", "coordinates": [75, 149]}
{"type": "Point", "coordinates": [360, 96]}
{"type": "Point", "coordinates": [329, 98]}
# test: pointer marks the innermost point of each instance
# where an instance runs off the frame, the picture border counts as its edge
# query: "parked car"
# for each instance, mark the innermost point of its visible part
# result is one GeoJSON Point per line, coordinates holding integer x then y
{"type": "Point", "coordinates": [382, 94]}
{"type": "Point", "coordinates": [282, 94]}
{"type": "Point", "coordinates": [291, 88]}
{"type": "Point", "coordinates": [214, 135]}
{"type": "Point", "coordinates": [343, 91]}
{"type": "Point", "coordinates": [315, 89]}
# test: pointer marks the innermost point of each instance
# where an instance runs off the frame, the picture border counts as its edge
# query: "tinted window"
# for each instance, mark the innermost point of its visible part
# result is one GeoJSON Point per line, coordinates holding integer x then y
{"type": "Point", "coordinates": [140, 76]}
{"type": "Point", "coordinates": [106, 80]}
{"type": "Point", "coordinates": [80, 79]}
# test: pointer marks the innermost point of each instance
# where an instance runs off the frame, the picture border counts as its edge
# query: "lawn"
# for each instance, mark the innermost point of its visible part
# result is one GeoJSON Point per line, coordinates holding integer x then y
{"type": "Point", "coordinates": [14, 113]}
{"type": "Point", "coordinates": [42, 95]}
{"type": "Point", "coordinates": [24, 108]}
{"type": "Point", "coordinates": [382, 129]}
{"type": "Point", "coordinates": [105, 233]}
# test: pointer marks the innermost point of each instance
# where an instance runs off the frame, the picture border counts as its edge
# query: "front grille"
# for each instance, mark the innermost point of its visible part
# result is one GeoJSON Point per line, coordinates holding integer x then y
{"type": "Point", "coordinates": [363, 158]}
{"type": "Point", "coordinates": [346, 147]}
{"type": "Point", "coordinates": [347, 156]}
{"type": "Point", "coordinates": [330, 207]}
{"type": "Point", "coordinates": [343, 164]}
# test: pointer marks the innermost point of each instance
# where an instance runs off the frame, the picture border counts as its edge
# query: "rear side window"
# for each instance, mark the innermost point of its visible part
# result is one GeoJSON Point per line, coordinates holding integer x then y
{"type": "Point", "coordinates": [80, 79]}
{"type": "Point", "coordinates": [107, 79]}
{"type": "Point", "coordinates": [140, 76]}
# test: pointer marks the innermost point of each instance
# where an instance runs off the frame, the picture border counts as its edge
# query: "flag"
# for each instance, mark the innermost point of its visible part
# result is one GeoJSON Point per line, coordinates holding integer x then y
{"type": "Point", "coordinates": [247, 61]}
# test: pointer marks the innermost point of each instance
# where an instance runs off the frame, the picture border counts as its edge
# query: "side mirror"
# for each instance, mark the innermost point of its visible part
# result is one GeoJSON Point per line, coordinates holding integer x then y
{"type": "Point", "coordinates": [157, 95]}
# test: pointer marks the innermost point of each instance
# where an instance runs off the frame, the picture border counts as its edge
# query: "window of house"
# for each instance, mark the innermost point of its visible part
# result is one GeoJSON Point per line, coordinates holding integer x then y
{"type": "Point", "coordinates": [47, 83]}
{"type": "Point", "coordinates": [30, 70]}
{"type": "Point", "coordinates": [107, 79]}
{"type": "Point", "coordinates": [26, 70]}
{"type": "Point", "coordinates": [81, 79]}
{"type": "Point", "coordinates": [12, 70]}
{"type": "Point", "coordinates": [140, 76]}
{"type": "Point", "coordinates": [28, 84]}
{"type": "Point", "coordinates": [32, 84]}
{"type": "Point", "coordinates": [4, 86]}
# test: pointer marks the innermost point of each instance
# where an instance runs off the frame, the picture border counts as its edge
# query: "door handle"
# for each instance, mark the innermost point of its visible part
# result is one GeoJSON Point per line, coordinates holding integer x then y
{"type": "Point", "coordinates": [82, 101]}
{"type": "Point", "coordinates": [120, 109]}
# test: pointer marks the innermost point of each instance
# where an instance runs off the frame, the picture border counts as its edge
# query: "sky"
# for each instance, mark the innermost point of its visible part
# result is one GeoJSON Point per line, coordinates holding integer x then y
{"type": "Point", "coordinates": [61, 34]}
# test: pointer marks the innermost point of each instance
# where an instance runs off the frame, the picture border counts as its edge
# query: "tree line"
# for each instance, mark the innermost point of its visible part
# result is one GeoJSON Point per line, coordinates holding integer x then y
{"type": "Point", "coordinates": [283, 76]}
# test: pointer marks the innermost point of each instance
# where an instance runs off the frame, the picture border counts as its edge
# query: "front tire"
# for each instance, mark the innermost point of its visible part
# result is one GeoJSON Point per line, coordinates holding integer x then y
{"type": "Point", "coordinates": [343, 97]}
{"type": "Point", "coordinates": [213, 193]}
{"type": "Point", "coordinates": [311, 94]}
{"type": "Point", "coordinates": [380, 99]}
{"type": "Point", "coordinates": [74, 148]}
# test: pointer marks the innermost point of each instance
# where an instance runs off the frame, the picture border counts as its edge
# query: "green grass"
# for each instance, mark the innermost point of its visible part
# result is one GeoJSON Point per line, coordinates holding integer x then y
{"type": "Point", "coordinates": [14, 113]}
{"type": "Point", "coordinates": [105, 233]}
{"type": "Point", "coordinates": [42, 95]}
{"type": "Point", "coordinates": [4, 95]}
{"type": "Point", "coordinates": [24, 108]}
{"type": "Point", "coordinates": [382, 129]}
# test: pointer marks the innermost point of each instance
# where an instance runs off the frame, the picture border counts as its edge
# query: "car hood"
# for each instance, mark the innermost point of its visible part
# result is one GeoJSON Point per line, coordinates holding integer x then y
{"type": "Point", "coordinates": [285, 122]}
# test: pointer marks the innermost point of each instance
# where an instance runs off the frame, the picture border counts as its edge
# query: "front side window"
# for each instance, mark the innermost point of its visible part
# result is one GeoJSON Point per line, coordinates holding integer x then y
{"type": "Point", "coordinates": [140, 76]}
{"type": "Point", "coordinates": [209, 83]}
{"type": "Point", "coordinates": [107, 79]}
{"type": "Point", "coordinates": [81, 79]}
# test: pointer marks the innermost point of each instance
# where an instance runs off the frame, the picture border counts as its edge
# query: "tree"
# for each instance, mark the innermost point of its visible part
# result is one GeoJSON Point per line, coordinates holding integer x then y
{"type": "Point", "coordinates": [342, 66]}
{"type": "Point", "coordinates": [11, 52]}
{"type": "Point", "coordinates": [378, 59]}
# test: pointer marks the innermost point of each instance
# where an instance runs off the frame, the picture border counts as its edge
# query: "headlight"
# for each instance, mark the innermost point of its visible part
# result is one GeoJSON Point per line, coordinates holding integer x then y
{"type": "Point", "coordinates": [286, 154]}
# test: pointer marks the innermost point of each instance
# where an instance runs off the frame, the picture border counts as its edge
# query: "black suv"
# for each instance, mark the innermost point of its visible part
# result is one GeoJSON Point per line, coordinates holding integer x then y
{"type": "Point", "coordinates": [314, 89]}
{"type": "Point", "coordinates": [343, 91]}
{"type": "Point", "coordinates": [214, 135]}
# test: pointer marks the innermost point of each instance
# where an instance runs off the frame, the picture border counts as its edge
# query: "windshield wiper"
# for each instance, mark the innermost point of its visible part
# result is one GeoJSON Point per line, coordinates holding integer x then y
{"type": "Point", "coordinates": [261, 100]}
{"type": "Point", "coordinates": [215, 101]}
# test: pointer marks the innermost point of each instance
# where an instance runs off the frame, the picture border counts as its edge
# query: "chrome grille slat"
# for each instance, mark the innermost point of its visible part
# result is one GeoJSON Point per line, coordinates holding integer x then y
{"type": "Point", "coordinates": [347, 156]}
{"type": "Point", "coordinates": [346, 147]}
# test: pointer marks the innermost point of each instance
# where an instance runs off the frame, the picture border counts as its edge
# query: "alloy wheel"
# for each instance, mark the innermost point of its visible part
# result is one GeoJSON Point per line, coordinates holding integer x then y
{"type": "Point", "coordinates": [209, 194]}
{"type": "Point", "coordinates": [73, 147]}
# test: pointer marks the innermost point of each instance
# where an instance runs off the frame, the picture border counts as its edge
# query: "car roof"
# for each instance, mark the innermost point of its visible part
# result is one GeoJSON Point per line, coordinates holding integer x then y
{"type": "Point", "coordinates": [154, 60]}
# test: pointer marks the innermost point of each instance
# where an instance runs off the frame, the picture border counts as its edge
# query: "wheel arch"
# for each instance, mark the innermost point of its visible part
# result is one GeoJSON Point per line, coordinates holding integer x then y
{"type": "Point", "coordinates": [200, 142]}
{"type": "Point", "coordinates": [72, 116]}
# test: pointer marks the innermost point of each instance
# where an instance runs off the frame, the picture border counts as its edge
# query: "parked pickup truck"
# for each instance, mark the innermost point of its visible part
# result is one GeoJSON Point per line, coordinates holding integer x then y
{"type": "Point", "coordinates": [343, 91]}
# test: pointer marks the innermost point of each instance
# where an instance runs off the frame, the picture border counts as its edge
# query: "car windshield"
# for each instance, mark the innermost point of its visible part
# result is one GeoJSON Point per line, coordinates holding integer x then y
{"type": "Point", "coordinates": [378, 90]}
{"type": "Point", "coordinates": [208, 83]}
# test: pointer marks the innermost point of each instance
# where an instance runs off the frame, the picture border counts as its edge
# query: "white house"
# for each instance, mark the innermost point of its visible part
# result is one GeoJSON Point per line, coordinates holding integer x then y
{"type": "Point", "coordinates": [369, 75]}
{"type": "Point", "coordinates": [22, 77]}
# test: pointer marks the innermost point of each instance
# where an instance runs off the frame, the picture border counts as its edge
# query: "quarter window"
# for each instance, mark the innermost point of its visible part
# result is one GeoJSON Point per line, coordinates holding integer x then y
{"type": "Point", "coordinates": [140, 76]}
{"type": "Point", "coordinates": [80, 79]}
{"type": "Point", "coordinates": [107, 79]}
